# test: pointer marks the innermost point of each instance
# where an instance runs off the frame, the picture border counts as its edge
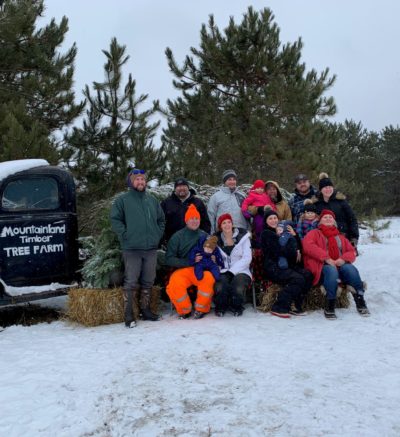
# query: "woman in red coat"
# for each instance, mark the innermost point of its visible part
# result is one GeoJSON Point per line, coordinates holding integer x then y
{"type": "Point", "coordinates": [329, 255]}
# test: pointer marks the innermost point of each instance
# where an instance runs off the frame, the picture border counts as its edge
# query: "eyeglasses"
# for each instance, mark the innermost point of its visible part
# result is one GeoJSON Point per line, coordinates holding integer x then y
{"type": "Point", "coordinates": [137, 171]}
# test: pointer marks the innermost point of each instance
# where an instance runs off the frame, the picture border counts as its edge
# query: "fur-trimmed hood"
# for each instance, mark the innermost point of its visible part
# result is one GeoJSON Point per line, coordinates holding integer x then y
{"type": "Point", "coordinates": [338, 195]}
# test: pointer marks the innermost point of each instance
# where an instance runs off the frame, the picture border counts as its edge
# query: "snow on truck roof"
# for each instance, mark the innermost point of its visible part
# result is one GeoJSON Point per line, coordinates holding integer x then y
{"type": "Point", "coordinates": [8, 168]}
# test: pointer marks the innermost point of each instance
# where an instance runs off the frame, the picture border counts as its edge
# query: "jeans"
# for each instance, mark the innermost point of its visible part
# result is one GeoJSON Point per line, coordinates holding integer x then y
{"type": "Point", "coordinates": [347, 273]}
{"type": "Point", "coordinates": [140, 272]}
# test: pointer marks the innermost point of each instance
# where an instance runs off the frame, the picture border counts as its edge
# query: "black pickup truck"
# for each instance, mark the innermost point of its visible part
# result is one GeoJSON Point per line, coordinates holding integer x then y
{"type": "Point", "coordinates": [38, 231]}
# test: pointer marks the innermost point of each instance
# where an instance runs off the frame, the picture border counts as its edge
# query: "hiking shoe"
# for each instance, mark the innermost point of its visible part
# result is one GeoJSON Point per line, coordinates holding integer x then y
{"type": "Point", "coordinates": [282, 315]}
{"type": "Point", "coordinates": [184, 316]}
{"type": "Point", "coordinates": [220, 313]}
{"type": "Point", "coordinates": [130, 324]}
{"type": "Point", "coordinates": [198, 315]}
{"type": "Point", "coordinates": [361, 305]}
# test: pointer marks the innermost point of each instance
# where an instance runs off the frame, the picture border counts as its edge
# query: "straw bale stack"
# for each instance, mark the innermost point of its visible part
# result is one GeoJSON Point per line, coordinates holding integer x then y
{"type": "Point", "coordinates": [95, 306]}
{"type": "Point", "coordinates": [315, 299]}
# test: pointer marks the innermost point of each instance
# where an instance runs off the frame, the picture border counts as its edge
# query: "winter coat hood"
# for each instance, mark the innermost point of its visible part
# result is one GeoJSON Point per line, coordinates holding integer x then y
{"type": "Point", "coordinates": [279, 195]}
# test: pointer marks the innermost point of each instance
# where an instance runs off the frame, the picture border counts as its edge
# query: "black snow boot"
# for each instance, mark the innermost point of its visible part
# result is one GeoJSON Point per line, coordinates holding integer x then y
{"type": "Point", "coordinates": [329, 310]}
{"type": "Point", "coordinates": [361, 305]}
{"type": "Point", "coordinates": [148, 315]}
{"type": "Point", "coordinates": [145, 306]}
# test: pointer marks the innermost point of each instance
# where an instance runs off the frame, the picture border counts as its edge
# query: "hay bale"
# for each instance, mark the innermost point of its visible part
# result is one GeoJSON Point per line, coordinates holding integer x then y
{"type": "Point", "coordinates": [315, 299]}
{"type": "Point", "coordinates": [95, 306]}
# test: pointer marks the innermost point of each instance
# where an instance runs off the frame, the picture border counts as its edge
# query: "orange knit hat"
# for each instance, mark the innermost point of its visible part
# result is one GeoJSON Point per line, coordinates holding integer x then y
{"type": "Point", "coordinates": [192, 212]}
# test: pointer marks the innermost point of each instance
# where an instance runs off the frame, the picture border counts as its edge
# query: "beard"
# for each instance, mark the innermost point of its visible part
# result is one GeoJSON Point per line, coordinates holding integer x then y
{"type": "Point", "coordinates": [140, 187]}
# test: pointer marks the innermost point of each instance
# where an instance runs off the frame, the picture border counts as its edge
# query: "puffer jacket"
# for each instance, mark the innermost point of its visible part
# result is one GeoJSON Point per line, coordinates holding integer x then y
{"type": "Point", "coordinates": [257, 219]}
{"type": "Point", "coordinates": [315, 252]}
{"type": "Point", "coordinates": [240, 258]}
{"type": "Point", "coordinates": [273, 250]}
{"type": "Point", "coordinates": [282, 207]}
{"type": "Point", "coordinates": [225, 201]}
{"type": "Point", "coordinates": [345, 218]}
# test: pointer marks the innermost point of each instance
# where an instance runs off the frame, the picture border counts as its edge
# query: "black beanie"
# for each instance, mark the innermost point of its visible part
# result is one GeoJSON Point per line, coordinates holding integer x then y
{"type": "Point", "coordinates": [268, 212]}
{"type": "Point", "coordinates": [309, 206]}
{"type": "Point", "coordinates": [324, 181]}
{"type": "Point", "coordinates": [181, 181]}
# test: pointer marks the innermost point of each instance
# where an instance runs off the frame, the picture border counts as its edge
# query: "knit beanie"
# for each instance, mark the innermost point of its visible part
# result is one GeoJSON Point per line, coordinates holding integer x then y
{"type": "Point", "coordinates": [191, 212]}
{"type": "Point", "coordinates": [258, 184]}
{"type": "Point", "coordinates": [327, 212]}
{"type": "Point", "coordinates": [211, 242]}
{"type": "Point", "coordinates": [324, 181]}
{"type": "Point", "coordinates": [181, 181]}
{"type": "Point", "coordinates": [228, 174]}
{"type": "Point", "coordinates": [268, 212]}
{"type": "Point", "coordinates": [223, 217]}
{"type": "Point", "coordinates": [309, 206]}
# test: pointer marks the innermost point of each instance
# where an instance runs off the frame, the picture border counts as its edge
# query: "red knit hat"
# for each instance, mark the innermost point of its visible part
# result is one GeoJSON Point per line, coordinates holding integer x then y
{"type": "Point", "coordinates": [327, 212]}
{"type": "Point", "coordinates": [191, 212]}
{"type": "Point", "coordinates": [258, 184]}
{"type": "Point", "coordinates": [223, 217]}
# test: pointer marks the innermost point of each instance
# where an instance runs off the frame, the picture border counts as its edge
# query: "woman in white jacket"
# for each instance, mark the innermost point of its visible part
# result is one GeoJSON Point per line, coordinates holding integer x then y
{"type": "Point", "coordinates": [234, 245]}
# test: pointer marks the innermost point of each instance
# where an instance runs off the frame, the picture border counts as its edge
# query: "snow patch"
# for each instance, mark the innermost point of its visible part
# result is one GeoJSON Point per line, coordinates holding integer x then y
{"type": "Point", "coordinates": [18, 291]}
{"type": "Point", "coordinates": [10, 167]}
{"type": "Point", "coordinates": [254, 375]}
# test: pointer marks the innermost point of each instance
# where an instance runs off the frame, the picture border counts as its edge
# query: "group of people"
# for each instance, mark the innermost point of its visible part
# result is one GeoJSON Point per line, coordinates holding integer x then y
{"type": "Point", "coordinates": [308, 240]}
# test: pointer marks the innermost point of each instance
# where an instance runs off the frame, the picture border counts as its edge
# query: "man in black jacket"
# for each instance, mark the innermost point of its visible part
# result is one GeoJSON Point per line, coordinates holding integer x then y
{"type": "Point", "coordinates": [176, 205]}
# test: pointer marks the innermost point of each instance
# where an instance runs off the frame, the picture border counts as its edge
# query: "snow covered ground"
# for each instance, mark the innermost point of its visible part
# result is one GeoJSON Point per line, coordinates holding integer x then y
{"type": "Point", "coordinates": [256, 375]}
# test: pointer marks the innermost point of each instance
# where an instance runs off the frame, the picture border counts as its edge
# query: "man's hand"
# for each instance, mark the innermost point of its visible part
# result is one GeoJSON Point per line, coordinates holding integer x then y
{"type": "Point", "coordinates": [213, 258]}
{"type": "Point", "coordinates": [198, 258]}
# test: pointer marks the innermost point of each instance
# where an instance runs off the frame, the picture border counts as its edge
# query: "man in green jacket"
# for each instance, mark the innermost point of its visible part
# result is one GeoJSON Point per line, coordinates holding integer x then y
{"type": "Point", "coordinates": [139, 222]}
{"type": "Point", "coordinates": [178, 250]}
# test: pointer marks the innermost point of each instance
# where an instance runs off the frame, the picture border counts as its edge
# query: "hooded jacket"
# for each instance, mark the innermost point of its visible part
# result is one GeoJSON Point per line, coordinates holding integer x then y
{"type": "Point", "coordinates": [175, 210]}
{"type": "Point", "coordinates": [345, 218]}
{"type": "Point", "coordinates": [282, 207]}
{"type": "Point", "coordinates": [226, 201]}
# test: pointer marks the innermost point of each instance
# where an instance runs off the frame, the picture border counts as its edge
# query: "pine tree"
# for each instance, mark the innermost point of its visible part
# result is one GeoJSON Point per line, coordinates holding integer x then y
{"type": "Point", "coordinates": [389, 172]}
{"type": "Point", "coordinates": [36, 97]}
{"type": "Point", "coordinates": [246, 102]}
{"type": "Point", "coordinates": [356, 166]}
{"type": "Point", "coordinates": [114, 136]}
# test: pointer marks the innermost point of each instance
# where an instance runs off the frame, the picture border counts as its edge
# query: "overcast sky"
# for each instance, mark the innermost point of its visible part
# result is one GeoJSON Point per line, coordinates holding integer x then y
{"type": "Point", "coordinates": [358, 40]}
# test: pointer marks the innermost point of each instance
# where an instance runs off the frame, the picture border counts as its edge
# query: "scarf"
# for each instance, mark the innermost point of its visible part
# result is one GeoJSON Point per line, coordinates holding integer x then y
{"type": "Point", "coordinates": [330, 233]}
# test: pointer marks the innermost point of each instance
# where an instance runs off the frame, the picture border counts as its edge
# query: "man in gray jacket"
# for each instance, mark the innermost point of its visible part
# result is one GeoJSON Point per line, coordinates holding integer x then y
{"type": "Point", "coordinates": [139, 222]}
{"type": "Point", "coordinates": [227, 200]}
